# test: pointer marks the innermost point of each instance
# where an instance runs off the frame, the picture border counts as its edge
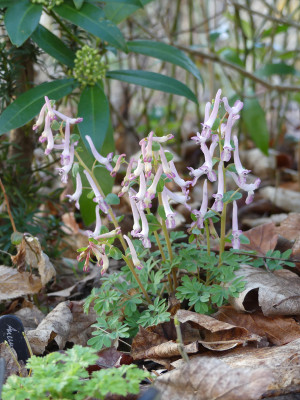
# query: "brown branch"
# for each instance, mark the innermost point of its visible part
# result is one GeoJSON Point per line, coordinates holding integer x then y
{"type": "Point", "coordinates": [247, 74]}
{"type": "Point", "coordinates": [8, 207]}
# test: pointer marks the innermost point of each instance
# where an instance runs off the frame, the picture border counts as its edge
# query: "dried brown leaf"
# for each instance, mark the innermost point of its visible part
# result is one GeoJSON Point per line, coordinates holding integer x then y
{"type": "Point", "coordinates": [278, 330]}
{"type": "Point", "coordinates": [216, 335]}
{"type": "Point", "coordinates": [80, 328]}
{"type": "Point", "coordinates": [209, 378]}
{"type": "Point", "coordinates": [15, 284]}
{"type": "Point", "coordinates": [265, 291]}
{"type": "Point", "coordinates": [262, 238]}
{"type": "Point", "coordinates": [11, 367]}
{"type": "Point", "coordinates": [56, 325]}
{"type": "Point", "coordinates": [290, 227]}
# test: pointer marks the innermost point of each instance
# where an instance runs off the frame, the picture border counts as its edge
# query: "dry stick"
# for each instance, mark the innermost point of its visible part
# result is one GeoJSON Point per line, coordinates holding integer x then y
{"type": "Point", "coordinates": [181, 348]}
{"type": "Point", "coordinates": [8, 207]}
{"type": "Point", "coordinates": [247, 74]}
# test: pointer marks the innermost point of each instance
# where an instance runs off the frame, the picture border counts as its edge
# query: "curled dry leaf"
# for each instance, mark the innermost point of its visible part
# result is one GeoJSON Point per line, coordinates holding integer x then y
{"type": "Point", "coordinates": [262, 238]}
{"type": "Point", "coordinates": [36, 258]}
{"type": "Point", "coordinates": [15, 284]}
{"type": "Point", "coordinates": [198, 331]}
{"type": "Point", "coordinates": [209, 378]}
{"type": "Point", "coordinates": [216, 335]}
{"type": "Point", "coordinates": [11, 367]}
{"type": "Point", "coordinates": [278, 330]}
{"type": "Point", "coordinates": [31, 317]}
{"type": "Point", "coordinates": [56, 325]}
{"type": "Point", "coordinates": [265, 291]}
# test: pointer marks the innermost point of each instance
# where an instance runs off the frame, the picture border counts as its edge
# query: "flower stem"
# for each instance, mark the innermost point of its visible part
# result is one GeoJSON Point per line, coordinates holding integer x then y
{"type": "Point", "coordinates": [115, 222]}
{"type": "Point", "coordinates": [168, 241]}
{"type": "Point", "coordinates": [207, 236]}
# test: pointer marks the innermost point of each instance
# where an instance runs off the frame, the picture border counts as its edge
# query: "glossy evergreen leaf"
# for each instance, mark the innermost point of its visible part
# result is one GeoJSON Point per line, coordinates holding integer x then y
{"type": "Point", "coordinates": [231, 55]}
{"type": "Point", "coordinates": [28, 104]}
{"type": "Point", "coordinates": [165, 52]}
{"type": "Point", "coordinates": [78, 3]}
{"type": "Point", "coordinates": [52, 45]}
{"type": "Point", "coordinates": [153, 80]}
{"type": "Point", "coordinates": [118, 12]}
{"type": "Point", "coordinates": [93, 20]}
{"type": "Point", "coordinates": [21, 19]}
{"type": "Point", "coordinates": [93, 107]}
{"type": "Point", "coordinates": [254, 119]}
{"type": "Point", "coordinates": [7, 3]}
{"type": "Point", "coordinates": [135, 3]}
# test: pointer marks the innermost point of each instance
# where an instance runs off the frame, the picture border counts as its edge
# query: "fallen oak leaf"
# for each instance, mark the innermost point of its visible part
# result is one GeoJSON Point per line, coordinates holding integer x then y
{"type": "Point", "coordinates": [265, 291]}
{"type": "Point", "coordinates": [206, 378]}
{"type": "Point", "coordinates": [279, 330]}
{"type": "Point", "coordinates": [262, 239]}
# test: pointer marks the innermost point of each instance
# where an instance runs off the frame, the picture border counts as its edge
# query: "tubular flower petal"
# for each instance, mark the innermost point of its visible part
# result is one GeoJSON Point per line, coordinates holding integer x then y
{"type": "Point", "coordinates": [203, 209]}
{"type": "Point", "coordinates": [214, 144]}
{"type": "Point", "coordinates": [98, 197]}
{"type": "Point", "coordinates": [218, 203]}
{"type": "Point", "coordinates": [145, 228]}
{"type": "Point", "coordinates": [76, 196]}
{"type": "Point", "coordinates": [199, 139]}
{"type": "Point", "coordinates": [162, 139]}
{"type": "Point", "coordinates": [142, 190]}
{"type": "Point", "coordinates": [148, 156]}
{"type": "Point", "coordinates": [137, 172]}
{"type": "Point", "coordinates": [206, 168]}
{"type": "Point", "coordinates": [178, 198]}
{"type": "Point", "coordinates": [242, 172]}
{"type": "Point", "coordinates": [165, 164]}
{"type": "Point", "coordinates": [50, 111]}
{"type": "Point", "coordinates": [170, 221]}
{"type": "Point", "coordinates": [102, 160]}
{"type": "Point", "coordinates": [110, 234]}
{"type": "Point", "coordinates": [40, 119]}
{"type": "Point", "coordinates": [47, 130]}
{"type": "Point", "coordinates": [152, 188]}
{"type": "Point", "coordinates": [236, 233]}
{"type": "Point", "coordinates": [210, 119]}
{"type": "Point", "coordinates": [63, 171]}
{"type": "Point", "coordinates": [118, 164]}
{"type": "Point", "coordinates": [237, 107]}
{"type": "Point", "coordinates": [176, 178]}
{"type": "Point", "coordinates": [50, 142]}
{"type": "Point", "coordinates": [98, 224]}
{"type": "Point", "coordinates": [247, 187]}
{"type": "Point", "coordinates": [136, 216]}
{"type": "Point", "coordinates": [65, 155]}
{"type": "Point", "coordinates": [65, 118]}
{"type": "Point", "coordinates": [126, 179]}
{"type": "Point", "coordinates": [136, 262]}
{"type": "Point", "coordinates": [226, 153]}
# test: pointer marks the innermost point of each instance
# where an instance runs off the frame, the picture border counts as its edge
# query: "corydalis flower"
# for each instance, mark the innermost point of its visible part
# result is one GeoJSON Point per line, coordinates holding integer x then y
{"type": "Point", "coordinates": [65, 155]}
{"type": "Point", "coordinates": [150, 193]}
{"type": "Point", "coordinates": [136, 216]}
{"type": "Point", "coordinates": [165, 165]}
{"type": "Point", "coordinates": [203, 209]}
{"type": "Point", "coordinates": [118, 164]}
{"type": "Point", "coordinates": [209, 119]}
{"type": "Point", "coordinates": [98, 224]}
{"type": "Point", "coordinates": [227, 149]}
{"type": "Point", "coordinates": [94, 250]}
{"type": "Point", "coordinates": [143, 235]}
{"type": "Point", "coordinates": [76, 196]}
{"type": "Point", "coordinates": [242, 172]}
{"type": "Point", "coordinates": [67, 168]}
{"type": "Point", "coordinates": [102, 160]}
{"type": "Point", "coordinates": [136, 262]}
{"type": "Point", "coordinates": [218, 203]}
{"type": "Point", "coordinates": [206, 168]}
{"type": "Point", "coordinates": [236, 233]}
{"type": "Point", "coordinates": [170, 215]}
{"type": "Point", "coordinates": [237, 107]}
{"type": "Point", "coordinates": [98, 197]}
{"type": "Point", "coordinates": [247, 187]}
{"type": "Point", "coordinates": [177, 179]}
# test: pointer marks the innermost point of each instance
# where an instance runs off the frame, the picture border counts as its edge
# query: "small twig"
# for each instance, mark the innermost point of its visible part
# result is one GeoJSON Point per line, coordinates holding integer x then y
{"type": "Point", "coordinates": [14, 358]}
{"type": "Point", "coordinates": [181, 349]}
{"type": "Point", "coordinates": [8, 207]}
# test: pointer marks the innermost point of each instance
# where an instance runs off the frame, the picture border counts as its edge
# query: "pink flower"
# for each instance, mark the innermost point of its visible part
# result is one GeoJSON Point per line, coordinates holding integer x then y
{"type": "Point", "coordinates": [218, 203]}
{"type": "Point", "coordinates": [247, 187]}
{"type": "Point", "coordinates": [136, 216]}
{"type": "Point", "coordinates": [118, 164]}
{"type": "Point", "coordinates": [237, 107]}
{"type": "Point", "coordinates": [102, 160]}
{"type": "Point", "coordinates": [139, 169]}
{"type": "Point", "coordinates": [98, 224]}
{"type": "Point", "coordinates": [151, 191]}
{"type": "Point", "coordinates": [242, 172]}
{"type": "Point", "coordinates": [165, 165]}
{"type": "Point", "coordinates": [236, 233]}
{"type": "Point", "coordinates": [209, 119]}
{"type": "Point", "coordinates": [136, 262]}
{"type": "Point", "coordinates": [177, 179]}
{"type": "Point", "coordinates": [50, 111]}
{"type": "Point", "coordinates": [65, 118]}
{"type": "Point", "coordinates": [170, 221]}
{"type": "Point", "coordinates": [76, 196]}
{"type": "Point", "coordinates": [143, 235]}
{"type": "Point", "coordinates": [226, 153]}
{"type": "Point", "coordinates": [63, 171]}
{"type": "Point", "coordinates": [65, 155]}
{"type": "Point", "coordinates": [40, 119]}
{"type": "Point", "coordinates": [98, 197]}
{"type": "Point", "coordinates": [203, 209]}
{"type": "Point", "coordinates": [142, 190]}
{"type": "Point", "coordinates": [206, 168]}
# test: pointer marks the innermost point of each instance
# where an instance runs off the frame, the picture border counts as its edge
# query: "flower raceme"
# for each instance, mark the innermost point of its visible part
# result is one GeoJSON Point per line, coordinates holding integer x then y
{"type": "Point", "coordinates": [153, 175]}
